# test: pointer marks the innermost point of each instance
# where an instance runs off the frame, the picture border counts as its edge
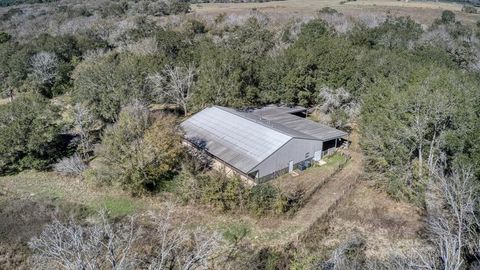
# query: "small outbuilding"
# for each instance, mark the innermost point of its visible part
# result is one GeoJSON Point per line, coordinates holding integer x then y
{"type": "Point", "coordinates": [262, 143]}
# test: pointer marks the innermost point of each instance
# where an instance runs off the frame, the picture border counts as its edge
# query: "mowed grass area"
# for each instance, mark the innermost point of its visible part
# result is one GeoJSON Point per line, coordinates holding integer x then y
{"type": "Point", "coordinates": [312, 177]}
{"type": "Point", "coordinates": [422, 11]}
{"type": "Point", "coordinates": [34, 185]}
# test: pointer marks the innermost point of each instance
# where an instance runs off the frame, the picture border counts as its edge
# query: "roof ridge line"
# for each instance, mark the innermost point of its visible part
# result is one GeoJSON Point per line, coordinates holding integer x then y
{"type": "Point", "coordinates": [239, 114]}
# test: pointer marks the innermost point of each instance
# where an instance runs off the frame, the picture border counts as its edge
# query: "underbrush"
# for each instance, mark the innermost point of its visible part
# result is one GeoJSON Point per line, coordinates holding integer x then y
{"type": "Point", "coordinates": [231, 194]}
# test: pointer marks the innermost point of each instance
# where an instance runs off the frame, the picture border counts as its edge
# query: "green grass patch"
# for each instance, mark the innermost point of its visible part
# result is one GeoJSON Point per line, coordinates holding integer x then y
{"type": "Point", "coordinates": [117, 206]}
{"type": "Point", "coordinates": [33, 183]}
{"type": "Point", "coordinates": [235, 232]}
{"type": "Point", "coordinates": [335, 160]}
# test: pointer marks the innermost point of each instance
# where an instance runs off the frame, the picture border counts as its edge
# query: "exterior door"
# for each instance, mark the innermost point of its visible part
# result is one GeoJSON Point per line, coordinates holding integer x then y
{"type": "Point", "coordinates": [317, 156]}
{"type": "Point", "coordinates": [290, 166]}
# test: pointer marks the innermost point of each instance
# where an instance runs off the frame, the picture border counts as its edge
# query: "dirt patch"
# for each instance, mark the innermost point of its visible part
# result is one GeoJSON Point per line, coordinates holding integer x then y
{"type": "Point", "coordinates": [14, 256]}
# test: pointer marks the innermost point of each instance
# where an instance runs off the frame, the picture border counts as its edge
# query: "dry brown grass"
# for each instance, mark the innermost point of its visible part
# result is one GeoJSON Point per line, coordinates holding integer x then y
{"type": "Point", "coordinates": [423, 12]}
{"type": "Point", "coordinates": [386, 224]}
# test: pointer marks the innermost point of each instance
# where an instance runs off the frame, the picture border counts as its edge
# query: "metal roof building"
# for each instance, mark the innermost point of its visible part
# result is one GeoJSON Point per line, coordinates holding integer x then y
{"type": "Point", "coordinates": [258, 143]}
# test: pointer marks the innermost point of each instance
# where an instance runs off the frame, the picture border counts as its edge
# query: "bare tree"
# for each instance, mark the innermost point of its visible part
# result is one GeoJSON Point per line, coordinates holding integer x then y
{"type": "Point", "coordinates": [431, 111]}
{"type": "Point", "coordinates": [73, 246]}
{"type": "Point", "coordinates": [349, 255]}
{"type": "Point", "coordinates": [332, 101]}
{"type": "Point", "coordinates": [198, 158]}
{"type": "Point", "coordinates": [180, 248]}
{"type": "Point", "coordinates": [70, 166]}
{"type": "Point", "coordinates": [333, 98]}
{"type": "Point", "coordinates": [44, 67]}
{"type": "Point", "coordinates": [451, 213]}
{"type": "Point", "coordinates": [146, 46]}
{"type": "Point", "coordinates": [370, 20]}
{"type": "Point", "coordinates": [341, 23]}
{"type": "Point", "coordinates": [83, 121]}
{"type": "Point", "coordinates": [107, 245]}
{"type": "Point", "coordinates": [422, 258]}
{"type": "Point", "coordinates": [175, 85]}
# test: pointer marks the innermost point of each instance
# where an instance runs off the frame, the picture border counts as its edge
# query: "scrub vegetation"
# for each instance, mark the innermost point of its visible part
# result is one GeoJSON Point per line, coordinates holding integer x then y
{"type": "Point", "coordinates": [93, 91]}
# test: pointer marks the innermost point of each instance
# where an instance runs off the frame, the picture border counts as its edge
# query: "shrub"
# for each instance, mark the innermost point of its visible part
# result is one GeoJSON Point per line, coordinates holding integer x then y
{"type": "Point", "coordinates": [70, 166]}
{"type": "Point", "coordinates": [469, 9]}
{"type": "Point", "coordinates": [263, 199]}
{"type": "Point", "coordinates": [222, 192]}
{"type": "Point", "coordinates": [327, 10]}
{"type": "Point", "coordinates": [231, 194]}
{"type": "Point", "coordinates": [448, 16]}
{"type": "Point", "coordinates": [114, 9]}
{"type": "Point", "coordinates": [6, 3]}
{"type": "Point", "coordinates": [236, 232]}
{"type": "Point", "coordinates": [178, 7]}
{"type": "Point", "coordinates": [196, 27]}
{"type": "Point", "coordinates": [4, 37]}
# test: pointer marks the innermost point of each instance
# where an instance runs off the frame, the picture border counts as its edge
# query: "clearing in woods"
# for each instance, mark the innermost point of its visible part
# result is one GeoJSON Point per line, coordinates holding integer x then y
{"type": "Point", "coordinates": [422, 11]}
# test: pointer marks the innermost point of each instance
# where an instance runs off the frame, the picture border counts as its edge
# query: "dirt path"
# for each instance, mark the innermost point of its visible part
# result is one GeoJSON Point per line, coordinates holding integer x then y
{"type": "Point", "coordinates": [326, 198]}
{"type": "Point", "coordinates": [331, 191]}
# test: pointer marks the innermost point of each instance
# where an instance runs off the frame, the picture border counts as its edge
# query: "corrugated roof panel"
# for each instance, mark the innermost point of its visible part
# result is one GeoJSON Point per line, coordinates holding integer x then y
{"type": "Point", "coordinates": [269, 124]}
{"type": "Point", "coordinates": [234, 139]}
{"type": "Point", "coordinates": [303, 125]}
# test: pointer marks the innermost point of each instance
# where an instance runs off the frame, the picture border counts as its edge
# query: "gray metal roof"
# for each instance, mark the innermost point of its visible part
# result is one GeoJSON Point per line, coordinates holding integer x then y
{"type": "Point", "coordinates": [283, 116]}
{"type": "Point", "coordinates": [244, 139]}
{"type": "Point", "coordinates": [268, 123]}
{"type": "Point", "coordinates": [236, 140]}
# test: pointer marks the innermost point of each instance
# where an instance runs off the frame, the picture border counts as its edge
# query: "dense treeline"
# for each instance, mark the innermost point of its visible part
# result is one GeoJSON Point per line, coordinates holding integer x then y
{"type": "Point", "coordinates": [413, 90]}
{"type": "Point", "coordinates": [6, 3]}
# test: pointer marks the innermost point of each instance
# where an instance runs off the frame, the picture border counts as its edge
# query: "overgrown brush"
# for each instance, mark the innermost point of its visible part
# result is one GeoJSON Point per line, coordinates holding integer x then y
{"type": "Point", "coordinates": [230, 194]}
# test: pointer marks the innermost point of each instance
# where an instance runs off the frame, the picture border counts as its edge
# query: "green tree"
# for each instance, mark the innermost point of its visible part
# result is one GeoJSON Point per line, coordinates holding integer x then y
{"type": "Point", "coordinates": [29, 136]}
{"type": "Point", "coordinates": [137, 154]}
{"type": "Point", "coordinates": [406, 126]}
{"type": "Point", "coordinates": [395, 33]}
{"type": "Point", "coordinates": [315, 60]}
{"type": "Point", "coordinates": [107, 83]}
{"type": "Point", "coordinates": [4, 37]}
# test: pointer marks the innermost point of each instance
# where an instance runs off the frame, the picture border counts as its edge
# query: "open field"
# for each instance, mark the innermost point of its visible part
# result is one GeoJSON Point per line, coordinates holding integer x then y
{"type": "Point", "coordinates": [423, 12]}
